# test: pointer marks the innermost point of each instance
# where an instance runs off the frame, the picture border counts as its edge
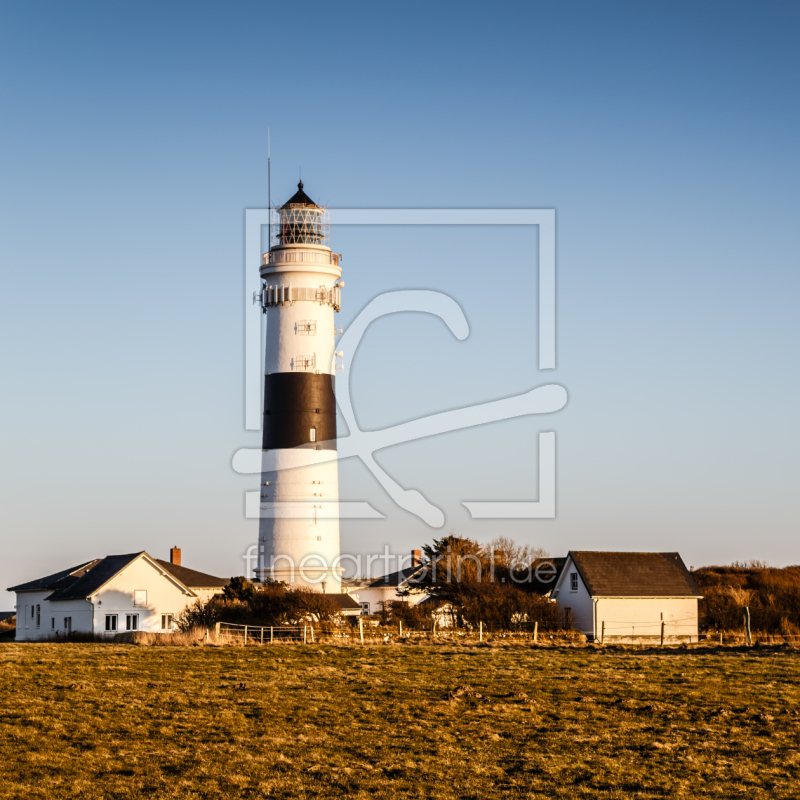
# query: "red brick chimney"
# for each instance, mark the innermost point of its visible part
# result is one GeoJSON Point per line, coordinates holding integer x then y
{"type": "Point", "coordinates": [416, 558]}
{"type": "Point", "coordinates": [175, 556]}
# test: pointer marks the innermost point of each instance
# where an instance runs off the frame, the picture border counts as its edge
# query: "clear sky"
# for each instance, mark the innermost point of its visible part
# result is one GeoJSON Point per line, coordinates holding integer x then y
{"type": "Point", "coordinates": [665, 134]}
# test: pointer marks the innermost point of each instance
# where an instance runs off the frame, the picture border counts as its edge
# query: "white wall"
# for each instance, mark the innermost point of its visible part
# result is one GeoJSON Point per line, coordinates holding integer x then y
{"type": "Point", "coordinates": [117, 597]}
{"type": "Point", "coordinates": [579, 601]}
{"type": "Point", "coordinates": [634, 617]}
{"type": "Point", "coordinates": [383, 594]}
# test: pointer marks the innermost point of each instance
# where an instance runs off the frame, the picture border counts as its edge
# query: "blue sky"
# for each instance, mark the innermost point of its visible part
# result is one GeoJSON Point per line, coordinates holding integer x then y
{"type": "Point", "coordinates": [133, 137]}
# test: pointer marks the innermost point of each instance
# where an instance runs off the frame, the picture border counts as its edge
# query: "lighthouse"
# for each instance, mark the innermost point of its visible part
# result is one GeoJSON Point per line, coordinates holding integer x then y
{"type": "Point", "coordinates": [300, 294]}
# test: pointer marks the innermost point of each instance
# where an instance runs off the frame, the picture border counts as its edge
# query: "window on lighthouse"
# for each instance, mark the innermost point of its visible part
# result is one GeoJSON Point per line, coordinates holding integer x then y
{"type": "Point", "coordinates": [313, 435]}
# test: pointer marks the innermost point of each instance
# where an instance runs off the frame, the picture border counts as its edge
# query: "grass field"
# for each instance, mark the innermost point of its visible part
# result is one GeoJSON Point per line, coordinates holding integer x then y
{"type": "Point", "coordinates": [117, 721]}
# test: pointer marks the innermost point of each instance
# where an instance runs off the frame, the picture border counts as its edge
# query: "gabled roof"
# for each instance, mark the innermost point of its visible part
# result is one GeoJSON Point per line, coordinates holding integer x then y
{"type": "Point", "coordinates": [299, 198]}
{"type": "Point", "coordinates": [92, 580]}
{"type": "Point", "coordinates": [396, 578]}
{"type": "Point", "coordinates": [84, 580]}
{"type": "Point", "coordinates": [191, 578]}
{"type": "Point", "coordinates": [612, 574]}
{"type": "Point", "coordinates": [57, 580]}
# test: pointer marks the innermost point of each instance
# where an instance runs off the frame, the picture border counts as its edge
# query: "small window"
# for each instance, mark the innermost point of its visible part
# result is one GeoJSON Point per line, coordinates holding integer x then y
{"type": "Point", "coordinates": [33, 612]}
{"type": "Point", "coordinates": [131, 622]}
{"type": "Point", "coordinates": [365, 608]}
{"type": "Point", "coordinates": [38, 615]}
{"type": "Point", "coordinates": [52, 623]}
{"type": "Point", "coordinates": [573, 581]}
{"type": "Point", "coordinates": [312, 435]}
{"type": "Point", "coordinates": [140, 597]}
{"type": "Point", "coordinates": [166, 622]}
{"type": "Point", "coordinates": [111, 623]}
{"type": "Point", "coordinates": [68, 624]}
{"type": "Point", "coordinates": [305, 362]}
{"type": "Point", "coordinates": [307, 327]}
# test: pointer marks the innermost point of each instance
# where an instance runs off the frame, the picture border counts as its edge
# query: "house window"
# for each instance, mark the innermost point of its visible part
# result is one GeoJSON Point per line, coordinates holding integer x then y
{"type": "Point", "coordinates": [365, 608]}
{"type": "Point", "coordinates": [38, 615]}
{"type": "Point", "coordinates": [33, 612]}
{"type": "Point", "coordinates": [166, 622]}
{"type": "Point", "coordinates": [140, 597]}
{"type": "Point", "coordinates": [573, 581]}
{"type": "Point", "coordinates": [68, 624]}
{"type": "Point", "coordinates": [312, 435]}
{"type": "Point", "coordinates": [131, 622]}
{"type": "Point", "coordinates": [52, 623]}
{"type": "Point", "coordinates": [111, 623]}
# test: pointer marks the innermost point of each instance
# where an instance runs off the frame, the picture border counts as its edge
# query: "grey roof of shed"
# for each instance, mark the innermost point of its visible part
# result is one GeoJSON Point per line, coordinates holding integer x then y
{"type": "Point", "coordinates": [613, 574]}
{"type": "Point", "coordinates": [345, 602]}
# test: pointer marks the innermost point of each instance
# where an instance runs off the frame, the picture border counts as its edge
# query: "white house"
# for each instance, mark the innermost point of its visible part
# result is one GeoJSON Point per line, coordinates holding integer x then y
{"type": "Point", "coordinates": [385, 589]}
{"type": "Point", "coordinates": [111, 595]}
{"type": "Point", "coordinates": [629, 596]}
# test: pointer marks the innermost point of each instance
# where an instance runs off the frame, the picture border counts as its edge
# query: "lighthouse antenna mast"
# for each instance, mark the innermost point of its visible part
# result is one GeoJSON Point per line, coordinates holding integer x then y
{"type": "Point", "coordinates": [269, 191]}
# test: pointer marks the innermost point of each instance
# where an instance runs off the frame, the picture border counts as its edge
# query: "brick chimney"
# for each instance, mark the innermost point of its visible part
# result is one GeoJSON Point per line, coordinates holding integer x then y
{"type": "Point", "coordinates": [175, 556]}
{"type": "Point", "coordinates": [416, 558]}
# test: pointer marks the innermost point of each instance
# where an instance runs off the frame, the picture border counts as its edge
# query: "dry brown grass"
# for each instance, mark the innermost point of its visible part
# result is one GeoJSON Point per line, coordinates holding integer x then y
{"type": "Point", "coordinates": [118, 721]}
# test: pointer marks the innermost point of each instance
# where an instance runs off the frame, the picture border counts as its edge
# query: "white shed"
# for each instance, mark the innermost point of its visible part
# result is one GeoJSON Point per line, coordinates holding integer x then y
{"type": "Point", "coordinates": [629, 597]}
{"type": "Point", "coordinates": [111, 595]}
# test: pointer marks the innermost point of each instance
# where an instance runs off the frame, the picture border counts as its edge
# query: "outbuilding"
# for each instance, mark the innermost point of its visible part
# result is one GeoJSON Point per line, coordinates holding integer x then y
{"type": "Point", "coordinates": [629, 597]}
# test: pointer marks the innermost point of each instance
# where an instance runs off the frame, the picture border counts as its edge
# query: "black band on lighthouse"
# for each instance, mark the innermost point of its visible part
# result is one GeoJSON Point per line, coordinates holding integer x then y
{"type": "Point", "coordinates": [299, 410]}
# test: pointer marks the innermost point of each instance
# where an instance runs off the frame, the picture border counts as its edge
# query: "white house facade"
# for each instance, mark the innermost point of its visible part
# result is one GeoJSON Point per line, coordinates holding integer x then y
{"type": "Point", "coordinates": [111, 595]}
{"type": "Point", "coordinates": [629, 597]}
{"type": "Point", "coordinates": [372, 597]}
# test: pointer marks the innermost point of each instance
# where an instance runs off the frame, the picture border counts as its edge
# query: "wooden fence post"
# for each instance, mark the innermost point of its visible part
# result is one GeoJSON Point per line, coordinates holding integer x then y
{"type": "Point", "coordinates": [536, 631]}
{"type": "Point", "coordinates": [262, 636]}
{"type": "Point", "coordinates": [433, 628]}
{"type": "Point", "coordinates": [480, 632]}
{"type": "Point", "coordinates": [361, 628]}
{"type": "Point", "coordinates": [271, 632]}
{"type": "Point", "coordinates": [662, 628]}
{"type": "Point", "coordinates": [720, 638]}
{"type": "Point", "coordinates": [603, 633]}
{"type": "Point", "coordinates": [304, 634]}
{"type": "Point", "coordinates": [401, 629]}
{"type": "Point", "coordinates": [312, 634]}
{"type": "Point", "coordinates": [747, 625]}
{"type": "Point", "coordinates": [245, 634]}
{"type": "Point", "coordinates": [216, 631]}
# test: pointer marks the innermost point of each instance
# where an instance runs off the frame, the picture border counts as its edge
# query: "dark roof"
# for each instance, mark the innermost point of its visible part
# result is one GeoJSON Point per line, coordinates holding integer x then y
{"type": "Point", "coordinates": [635, 574]}
{"type": "Point", "coordinates": [396, 578]}
{"type": "Point", "coordinates": [57, 580]}
{"type": "Point", "coordinates": [299, 198]}
{"type": "Point", "coordinates": [345, 602]}
{"type": "Point", "coordinates": [541, 567]}
{"type": "Point", "coordinates": [192, 578]}
{"type": "Point", "coordinates": [92, 579]}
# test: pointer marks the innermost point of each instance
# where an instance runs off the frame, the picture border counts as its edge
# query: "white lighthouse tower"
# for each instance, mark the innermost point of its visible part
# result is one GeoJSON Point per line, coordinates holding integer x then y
{"type": "Point", "coordinates": [299, 523]}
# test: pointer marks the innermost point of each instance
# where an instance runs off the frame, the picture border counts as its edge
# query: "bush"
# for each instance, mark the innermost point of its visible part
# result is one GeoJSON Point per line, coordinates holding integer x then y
{"type": "Point", "coordinates": [772, 595]}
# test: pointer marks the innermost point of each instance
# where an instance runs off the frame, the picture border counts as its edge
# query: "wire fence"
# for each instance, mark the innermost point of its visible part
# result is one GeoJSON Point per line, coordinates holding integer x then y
{"type": "Point", "coordinates": [362, 630]}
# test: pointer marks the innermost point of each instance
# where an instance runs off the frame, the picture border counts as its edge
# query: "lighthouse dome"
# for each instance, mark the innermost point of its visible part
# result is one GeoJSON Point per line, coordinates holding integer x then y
{"type": "Point", "coordinates": [300, 198]}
